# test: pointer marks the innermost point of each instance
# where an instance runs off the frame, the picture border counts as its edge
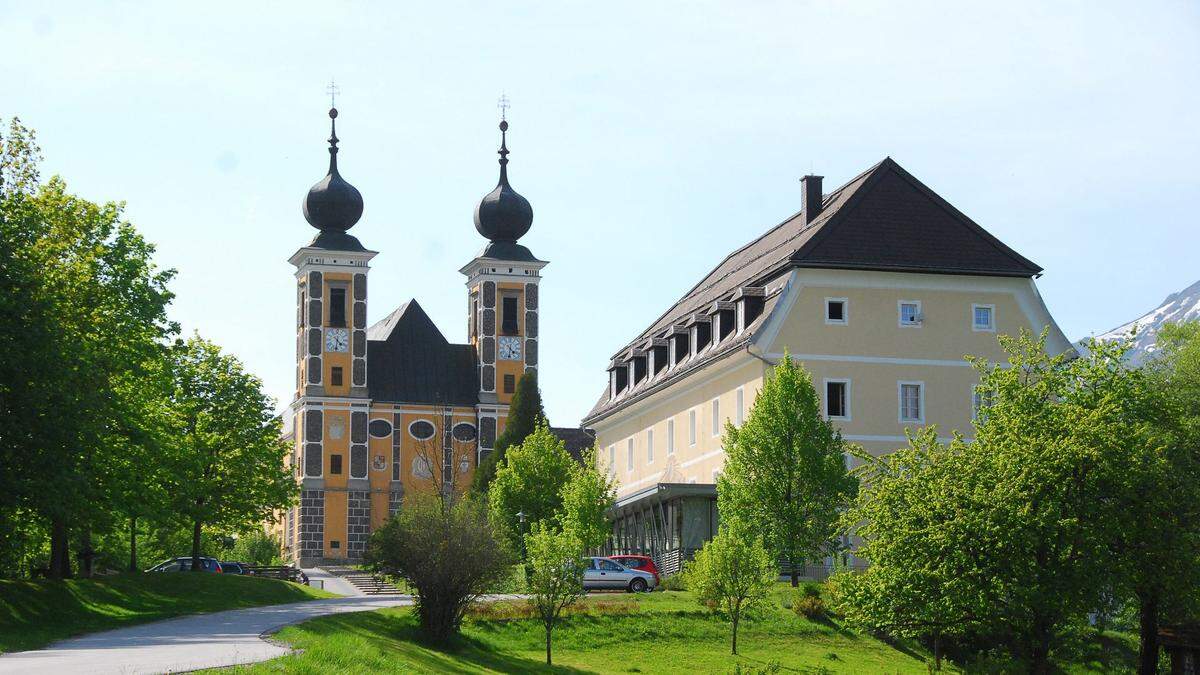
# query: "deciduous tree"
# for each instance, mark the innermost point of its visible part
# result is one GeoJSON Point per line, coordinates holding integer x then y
{"type": "Point", "coordinates": [785, 470]}
{"type": "Point", "coordinates": [556, 573]}
{"type": "Point", "coordinates": [733, 573]}
{"type": "Point", "coordinates": [227, 465]}
{"type": "Point", "coordinates": [529, 481]}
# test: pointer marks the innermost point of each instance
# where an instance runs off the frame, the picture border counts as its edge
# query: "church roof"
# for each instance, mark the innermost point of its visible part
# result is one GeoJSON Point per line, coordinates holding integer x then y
{"type": "Point", "coordinates": [410, 361]}
{"type": "Point", "coordinates": [576, 440]}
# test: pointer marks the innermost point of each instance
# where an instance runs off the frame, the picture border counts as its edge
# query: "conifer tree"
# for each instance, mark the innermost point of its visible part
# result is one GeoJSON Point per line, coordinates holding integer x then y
{"type": "Point", "coordinates": [523, 415]}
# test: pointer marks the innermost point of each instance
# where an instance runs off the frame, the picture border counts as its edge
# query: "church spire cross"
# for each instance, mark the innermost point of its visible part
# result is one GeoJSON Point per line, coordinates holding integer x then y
{"type": "Point", "coordinates": [333, 90]}
{"type": "Point", "coordinates": [503, 104]}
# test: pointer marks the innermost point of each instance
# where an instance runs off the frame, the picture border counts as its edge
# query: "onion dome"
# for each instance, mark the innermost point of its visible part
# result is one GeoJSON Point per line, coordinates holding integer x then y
{"type": "Point", "coordinates": [503, 216]}
{"type": "Point", "coordinates": [333, 205]}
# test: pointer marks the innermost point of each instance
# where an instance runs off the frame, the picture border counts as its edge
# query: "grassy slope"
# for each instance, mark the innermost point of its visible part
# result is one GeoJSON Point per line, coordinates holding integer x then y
{"type": "Point", "coordinates": [35, 613]}
{"type": "Point", "coordinates": [665, 632]}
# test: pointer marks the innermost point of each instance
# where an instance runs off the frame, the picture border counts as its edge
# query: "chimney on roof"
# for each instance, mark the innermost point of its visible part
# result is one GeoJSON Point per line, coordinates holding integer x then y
{"type": "Point", "coordinates": [812, 197]}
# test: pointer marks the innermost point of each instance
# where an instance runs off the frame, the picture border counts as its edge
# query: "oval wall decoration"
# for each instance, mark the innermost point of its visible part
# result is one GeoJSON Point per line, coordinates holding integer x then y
{"type": "Point", "coordinates": [422, 430]}
{"type": "Point", "coordinates": [380, 428]}
{"type": "Point", "coordinates": [463, 432]}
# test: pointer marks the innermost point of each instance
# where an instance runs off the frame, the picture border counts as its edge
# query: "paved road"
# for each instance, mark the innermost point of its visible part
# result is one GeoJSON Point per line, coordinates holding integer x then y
{"type": "Point", "coordinates": [186, 643]}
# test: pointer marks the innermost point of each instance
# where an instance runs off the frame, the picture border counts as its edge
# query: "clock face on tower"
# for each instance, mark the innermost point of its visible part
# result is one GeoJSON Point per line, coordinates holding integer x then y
{"type": "Point", "coordinates": [510, 348]}
{"type": "Point", "coordinates": [337, 339]}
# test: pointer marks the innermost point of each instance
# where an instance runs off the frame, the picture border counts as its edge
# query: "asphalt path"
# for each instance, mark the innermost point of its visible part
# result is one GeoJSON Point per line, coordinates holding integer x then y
{"type": "Point", "coordinates": [185, 643]}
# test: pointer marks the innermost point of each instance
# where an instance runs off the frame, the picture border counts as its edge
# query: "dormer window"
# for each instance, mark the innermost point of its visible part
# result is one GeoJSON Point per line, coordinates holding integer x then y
{"type": "Point", "coordinates": [337, 307]}
{"type": "Point", "coordinates": [722, 313]}
{"type": "Point", "coordinates": [749, 301]}
{"type": "Point", "coordinates": [620, 378]}
{"type": "Point", "coordinates": [658, 356]}
{"type": "Point", "coordinates": [639, 368]}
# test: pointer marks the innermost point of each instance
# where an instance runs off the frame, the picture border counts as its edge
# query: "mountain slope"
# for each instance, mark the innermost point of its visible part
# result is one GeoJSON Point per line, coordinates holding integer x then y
{"type": "Point", "coordinates": [1177, 308]}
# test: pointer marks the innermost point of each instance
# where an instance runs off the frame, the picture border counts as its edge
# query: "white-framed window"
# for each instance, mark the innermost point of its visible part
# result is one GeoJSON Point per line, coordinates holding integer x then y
{"type": "Point", "coordinates": [629, 454]}
{"type": "Point", "coordinates": [912, 401]}
{"type": "Point", "coordinates": [741, 406]}
{"type": "Point", "coordinates": [909, 313]}
{"type": "Point", "coordinates": [692, 426]}
{"type": "Point", "coordinates": [979, 403]}
{"type": "Point", "coordinates": [612, 459]}
{"type": "Point", "coordinates": [716, 417]}
{"type": "Point", "coordinates": [837, 399]}
{"type": "Point", "coordinates": [837, 311]}
{"type": "Point", "coordinates": [670, 437]}
{"type": "Point", "coordinates": [983, 318]}
{"type": "Point", "coordinates": [649, 446]}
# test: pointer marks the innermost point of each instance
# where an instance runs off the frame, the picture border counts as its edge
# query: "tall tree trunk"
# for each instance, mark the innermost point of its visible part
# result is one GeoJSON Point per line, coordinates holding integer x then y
{"type": "Point", "coordinates": [60, 556]}
{"type": "Point", "coordinates": [735, 627]}
{"type": "Point", "coordinates": [1148, 655]}
{"type": "Point", "coordinates": [133, 544]}
{"type": "Point", "coordinates": [196, 546]}
{"type": "Point", "coordinates": [86, 554]}
{"type": "Point", "coordinates": [548, 662]}
{"type": "Point", "coordinates": [795, 574]}
{"type": "Point", "coordinates": [1039, 652]}
{"type": "Point", "coordinates": [937, 651]}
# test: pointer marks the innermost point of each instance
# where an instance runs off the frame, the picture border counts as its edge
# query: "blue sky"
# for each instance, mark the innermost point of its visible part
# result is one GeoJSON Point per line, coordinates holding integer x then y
{"type": "Point", "coordinates": [1067, 129]}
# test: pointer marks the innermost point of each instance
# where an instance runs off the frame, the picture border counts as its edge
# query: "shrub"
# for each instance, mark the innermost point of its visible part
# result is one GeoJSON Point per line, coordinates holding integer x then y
{"type": "Point", "coordinates": [447, 551]}
{"type": "Point", "coordinates": [675, 582]}
{"type": "Point", "coordinates": [808, 606]}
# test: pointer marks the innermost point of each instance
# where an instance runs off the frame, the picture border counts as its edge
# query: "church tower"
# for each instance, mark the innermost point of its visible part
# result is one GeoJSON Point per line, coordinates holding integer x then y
{"type": "Point", "coordinates": [331, 407]}
{"type": "Point", "coordinates": [502, 299]}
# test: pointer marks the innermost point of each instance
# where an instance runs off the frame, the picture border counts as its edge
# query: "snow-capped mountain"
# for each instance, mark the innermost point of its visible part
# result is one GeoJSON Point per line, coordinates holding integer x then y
{"type": "Point", "coordinates": [1178, 307]}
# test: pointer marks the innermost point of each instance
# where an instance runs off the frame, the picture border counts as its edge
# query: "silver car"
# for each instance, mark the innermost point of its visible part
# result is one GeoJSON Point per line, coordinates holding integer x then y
{"type": "Point", "coordinates": [608, 574]}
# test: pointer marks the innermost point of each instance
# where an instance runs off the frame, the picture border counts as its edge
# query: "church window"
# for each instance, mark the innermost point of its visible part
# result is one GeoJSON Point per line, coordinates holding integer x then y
{"type": "Point", "coordinates": [380, 428]}
{"type": "Point", "coordinates": [337, 307]}
{"type": "Point", "coordinates": [335, 376]}
{"type": "Point", "coordinates": [508, 324]}
{"type": "Point", "coordinates": [335, 544]}
{"type": "Point", "coordinates": [510, 383]}
{"type": "Point", "coordinates": [335, 464]}
{"type": "Point", "coordinates": [422, 430]}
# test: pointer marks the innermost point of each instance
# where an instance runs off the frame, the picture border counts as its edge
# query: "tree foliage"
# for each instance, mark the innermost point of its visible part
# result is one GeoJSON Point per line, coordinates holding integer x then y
{"type": "Point", "coordinates": [785, 470]}
{"type": "Point", "coordinates": [732, 574]}
{"type": "Point", "coordinates": [89, 442]}
{"type": "Point", "coordinates": [446, 549]}
{"type": "Point", "coordinates": [556, 574]}
{"type": "Point", "coordinates": [1024, 530]}
{"type": "Point", "coordinates": [525, 413]}
{"type": "Point", "coordinates": [227, 466]}
{"type": "Point", "coordinates": [529, 481]}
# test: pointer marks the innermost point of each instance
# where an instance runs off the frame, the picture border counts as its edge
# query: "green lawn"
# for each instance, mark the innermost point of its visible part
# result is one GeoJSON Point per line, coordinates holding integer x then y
{"type": "Point", "coordinates": [36, 613]}
{"type": "Point", "coordinates": [618, 633]}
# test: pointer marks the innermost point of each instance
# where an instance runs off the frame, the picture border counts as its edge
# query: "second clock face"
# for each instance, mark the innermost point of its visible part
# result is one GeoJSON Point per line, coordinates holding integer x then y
{"type": "Point", "coordinates": [510, 348]}
{"type": "Point", "coordinates": [337, 339]}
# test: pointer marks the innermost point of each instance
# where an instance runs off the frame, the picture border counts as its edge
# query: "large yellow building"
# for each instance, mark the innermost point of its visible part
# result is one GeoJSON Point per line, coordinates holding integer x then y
{"type": "Point", "coordinates": [880, 288]}
{"type": "Point", "coordinates": [386, 409]}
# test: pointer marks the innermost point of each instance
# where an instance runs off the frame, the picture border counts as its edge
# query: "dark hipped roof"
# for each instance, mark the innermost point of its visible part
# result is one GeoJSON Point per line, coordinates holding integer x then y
{"type": "Point", "coordinates": [884, 219]}
{"type": "Point", "coordinates": [409, 361]}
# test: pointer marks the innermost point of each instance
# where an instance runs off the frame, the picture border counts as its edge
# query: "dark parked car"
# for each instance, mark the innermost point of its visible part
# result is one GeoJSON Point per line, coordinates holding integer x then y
{"type": "Point", "coordinates": [639, 562]}
{"type": "Point", "coordinates": [230, 567]}
{"type": "Point", "coordinates": [184, 564]}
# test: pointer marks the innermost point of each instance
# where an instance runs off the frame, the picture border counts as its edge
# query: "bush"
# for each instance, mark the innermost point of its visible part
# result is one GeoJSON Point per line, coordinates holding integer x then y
{"type": "Point", "coordinates": [809, 606]}
{"type": "Point", "coordinates": [675, 582]}
{"type": "Point", "coordinates": [447, 551]}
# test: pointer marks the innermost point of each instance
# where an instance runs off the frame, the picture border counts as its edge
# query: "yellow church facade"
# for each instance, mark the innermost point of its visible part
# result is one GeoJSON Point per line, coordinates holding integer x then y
{"type": "Point", "coordinates": [391, 408]}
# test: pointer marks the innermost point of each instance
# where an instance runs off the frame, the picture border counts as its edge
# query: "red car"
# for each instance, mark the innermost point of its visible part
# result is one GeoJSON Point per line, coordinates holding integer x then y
{"type": "Point", "coordinates": [639, 562]}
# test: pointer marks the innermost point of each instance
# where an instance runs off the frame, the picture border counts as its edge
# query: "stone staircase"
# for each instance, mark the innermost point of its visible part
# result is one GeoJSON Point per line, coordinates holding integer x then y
{"type": "Point", "coordinates": [368, 583]}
